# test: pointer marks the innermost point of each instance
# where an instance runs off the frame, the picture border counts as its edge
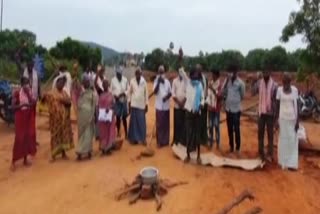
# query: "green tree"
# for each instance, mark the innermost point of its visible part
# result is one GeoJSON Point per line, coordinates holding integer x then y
{"type": "Point", "coordinates": [74, 50]}
{"type": "Point", "coordinates": [231, 57]}
{"type": "Point", "coordinates": [156, 58]}
{"type": "Point", "coordinates": [276, 59]}
{"type": "Point", "coordinates": [255, 59]}
{"type": "Point", "coordinates": [17, 46]}
{"type": "Point", "coordinates": [306, 22]}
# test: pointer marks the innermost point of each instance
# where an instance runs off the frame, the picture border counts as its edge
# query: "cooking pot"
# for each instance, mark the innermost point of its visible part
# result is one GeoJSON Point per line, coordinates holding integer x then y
{"type": "Point", "coordinates": [149, 175]}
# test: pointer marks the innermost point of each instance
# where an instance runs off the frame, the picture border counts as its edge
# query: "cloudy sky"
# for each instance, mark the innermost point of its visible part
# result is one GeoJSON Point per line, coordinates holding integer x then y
{"type": "Point", "coordinates": [142, 25]}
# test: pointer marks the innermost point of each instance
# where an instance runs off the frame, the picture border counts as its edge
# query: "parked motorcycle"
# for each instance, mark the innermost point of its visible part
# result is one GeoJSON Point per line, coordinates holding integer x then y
{"type": "Point", "coordinates": [6, 113]}
{"type": "Point", "coordinates": [309, 107]}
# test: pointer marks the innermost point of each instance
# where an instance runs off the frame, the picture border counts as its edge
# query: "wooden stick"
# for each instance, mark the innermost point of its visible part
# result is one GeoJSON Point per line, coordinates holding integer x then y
{"type": "Point", "coordinates": [236, 201]}
{"type": "Point", "coordinates": [255, 210]}
{"type": "Point", "coordinates": [158, 201]}
{"type": "Point", "coordinates": [126, 191]}
{"type": "Point", "coordinates": [135, 198]}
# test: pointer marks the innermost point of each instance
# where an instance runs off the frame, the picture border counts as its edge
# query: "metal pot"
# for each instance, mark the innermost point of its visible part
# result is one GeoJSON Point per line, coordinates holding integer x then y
{"type": "Point", "coordinates": [149, 175]}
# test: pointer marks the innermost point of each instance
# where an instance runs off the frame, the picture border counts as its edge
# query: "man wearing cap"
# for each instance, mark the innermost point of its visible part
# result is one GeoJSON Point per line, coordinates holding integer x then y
{"type": "Point", "coordinates": [119, 89]}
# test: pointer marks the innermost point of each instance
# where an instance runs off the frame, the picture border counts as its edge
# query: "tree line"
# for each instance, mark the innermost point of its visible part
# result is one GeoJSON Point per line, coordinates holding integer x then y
{"type": "Point", "coordinates": [305, 21]}
{"type": "Point", "coordinates": [276, 59]}
{"type": "Point", "coordinates": [21, 46]}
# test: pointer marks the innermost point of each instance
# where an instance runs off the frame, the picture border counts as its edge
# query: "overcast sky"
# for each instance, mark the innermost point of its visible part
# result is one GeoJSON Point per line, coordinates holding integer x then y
{"type": "Point", "coordinates": [142, 25]}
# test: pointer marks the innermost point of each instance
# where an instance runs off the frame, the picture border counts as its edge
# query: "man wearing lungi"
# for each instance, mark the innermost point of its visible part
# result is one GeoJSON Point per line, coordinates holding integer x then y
{"type": "Point", "coordinates": [119, 89]}
{"type": "Point", "coordinates": [162, 90]}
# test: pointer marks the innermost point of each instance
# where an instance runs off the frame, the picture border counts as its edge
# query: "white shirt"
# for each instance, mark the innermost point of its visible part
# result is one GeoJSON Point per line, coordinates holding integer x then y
{"type": "Point", "coordinates": [117, 87]}
{"type": "Point", "coordinates": [211, 97]}
{"type": "Point", "coordinates": [68, 86]}
{"type": "Point", "coordinates": [288, 103]}
{"type": "Point", "coordinates": [138, 93]}
{"type": "Point", "coordinates": [178, 90]}
{"type": "Point", "coordinates": [164, 90]}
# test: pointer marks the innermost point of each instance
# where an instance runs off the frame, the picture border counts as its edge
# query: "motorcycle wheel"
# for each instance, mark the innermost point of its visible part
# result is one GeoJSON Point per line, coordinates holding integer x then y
{"type": "Point", "coordinates": [316, 116]}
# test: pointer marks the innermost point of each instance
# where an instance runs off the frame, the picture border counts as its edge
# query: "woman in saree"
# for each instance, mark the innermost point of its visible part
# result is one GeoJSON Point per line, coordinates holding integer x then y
{"type": "Point", "coordinates": [86, 119]}
{"type": "Point", "coordinates": [25, 137]}
{"type": "Point", "coordinates": [59, 104]}
{"type": "Point", "coordinates": [107, 129]}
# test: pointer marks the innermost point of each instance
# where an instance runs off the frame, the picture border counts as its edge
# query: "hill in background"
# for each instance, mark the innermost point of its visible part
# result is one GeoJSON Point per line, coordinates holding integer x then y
{"type": "Point", "coordinates": [107, 52]}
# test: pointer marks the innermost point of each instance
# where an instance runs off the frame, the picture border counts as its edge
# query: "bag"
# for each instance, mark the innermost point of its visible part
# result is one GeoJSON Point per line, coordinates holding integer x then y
{"type": "Point", "coordinates": [301, 134]}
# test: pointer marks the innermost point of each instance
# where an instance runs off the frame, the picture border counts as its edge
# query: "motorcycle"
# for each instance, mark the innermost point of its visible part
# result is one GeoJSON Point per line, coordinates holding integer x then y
{"type": "Point", "coordinates": [6, 113]}
{"type": "Point", "coordinates": [309, 107]}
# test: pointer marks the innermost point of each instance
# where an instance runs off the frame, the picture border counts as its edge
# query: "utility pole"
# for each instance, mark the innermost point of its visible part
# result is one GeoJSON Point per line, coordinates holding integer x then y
{"type": "Point", "coordinates": [1, 16]}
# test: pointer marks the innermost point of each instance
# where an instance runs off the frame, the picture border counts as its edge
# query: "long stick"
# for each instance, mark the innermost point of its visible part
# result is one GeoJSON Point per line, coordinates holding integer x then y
{"type": "Point", "coordinates": [255, 210]}
{"type": "Point", "coordinates": [236, 201]}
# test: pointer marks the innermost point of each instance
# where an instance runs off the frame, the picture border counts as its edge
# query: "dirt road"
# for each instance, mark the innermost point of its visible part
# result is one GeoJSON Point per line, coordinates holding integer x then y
{"type": "Point", "coordinates": [67, 187]}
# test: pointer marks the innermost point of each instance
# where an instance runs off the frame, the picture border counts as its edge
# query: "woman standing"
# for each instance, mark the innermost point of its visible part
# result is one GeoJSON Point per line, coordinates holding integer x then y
{"type": "Point", "coordinates": [59, 104]}
{"type": "Point", "coordinates": [86, 119]}
{"type": "Point", "coordinates": [287, 113]}
{"type": "Point", "coordinates": [25, 140]}
{"type": "Point", "coordinates": [107, 129]}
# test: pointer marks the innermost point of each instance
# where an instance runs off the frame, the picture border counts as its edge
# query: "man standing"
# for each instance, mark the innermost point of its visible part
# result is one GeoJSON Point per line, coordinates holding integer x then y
{"type": "Point", "coordinates": [138, 104]}
{"type": "Point", "coordinates": [119, 89]}
{"type": "Point", "coordinates": [204, 110]}
{"type": "Point", "coordinates": [179, 97]}
{"type": "Point", "coordinates": [235, 90]}
{"type": "Point", "coordinates": [194, 102]}
{"type": "Point", "coordinates": [214, 106]}
{"type": "Point", "coordinates": [162, 90]}
{"type": "Point", "coordinates": [267, 94]}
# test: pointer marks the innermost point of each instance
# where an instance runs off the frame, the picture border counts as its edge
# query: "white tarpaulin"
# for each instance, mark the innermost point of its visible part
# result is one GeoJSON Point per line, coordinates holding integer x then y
{"type": "Point", "coordinates": [216, 161]}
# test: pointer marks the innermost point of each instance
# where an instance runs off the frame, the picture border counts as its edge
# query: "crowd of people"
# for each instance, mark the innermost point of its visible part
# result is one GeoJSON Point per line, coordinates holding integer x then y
{"type": "Point", "coordinates": [102, 106]}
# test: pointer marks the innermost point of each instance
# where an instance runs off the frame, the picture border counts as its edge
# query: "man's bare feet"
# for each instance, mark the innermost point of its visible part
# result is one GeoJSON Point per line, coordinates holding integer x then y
{"type": "Point", "coordinates": [52, 160]}
{"type": "Point", "coordinates": [13, 167]}
{"type": "Point", "coordinates": [187, 159]}
{"type": "Point", "coordinates": [199, 162]}
{"type": "Point", "coordinates": [65, 157]}
{"type": "Point", "coordinates": [27, 163]}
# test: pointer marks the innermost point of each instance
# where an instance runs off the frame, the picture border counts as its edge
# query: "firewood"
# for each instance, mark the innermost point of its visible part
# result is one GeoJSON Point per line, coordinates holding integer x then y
{"type": "Point", "coordinates": [162, 189]}
{"type": "Point", "coordinates": [158, 200]}
{"type": "Point", "coordinates": [135, 198]}
{"type": "Point", "coordinates": [168, 184]}
{"type": "Point", "coordinates": [236, 201]}
{"type": "Point", "coordinates": [127, 190]}
{"type": "Point", "coordinates": [255, 210]}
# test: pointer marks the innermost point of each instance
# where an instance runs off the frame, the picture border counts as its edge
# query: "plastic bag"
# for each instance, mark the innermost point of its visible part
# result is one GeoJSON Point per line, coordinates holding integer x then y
{"type": "Point", "coordinates": [302, 135]}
